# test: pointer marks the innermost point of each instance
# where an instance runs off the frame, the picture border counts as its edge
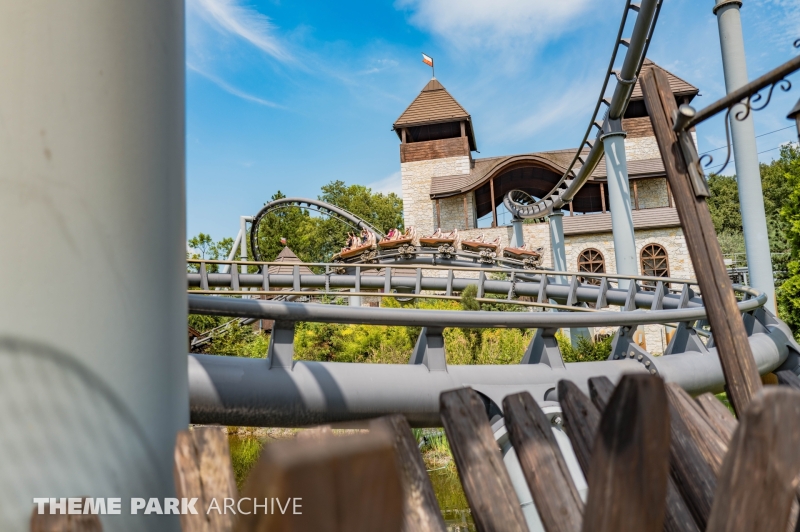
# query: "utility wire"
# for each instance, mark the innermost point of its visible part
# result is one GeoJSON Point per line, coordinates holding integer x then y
{"type": "Point", "coordinates": [757, 136]}
{"type": "Point", "coordinates": [759, 153]}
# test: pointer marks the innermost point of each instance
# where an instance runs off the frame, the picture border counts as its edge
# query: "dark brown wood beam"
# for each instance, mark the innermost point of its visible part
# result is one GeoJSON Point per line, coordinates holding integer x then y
{"type": "Point", "coordinates": [494, 210]}
{"type": "Point", "coordinates": [733, 347]}
{"type": "Point", "coordinates": [603, 196]}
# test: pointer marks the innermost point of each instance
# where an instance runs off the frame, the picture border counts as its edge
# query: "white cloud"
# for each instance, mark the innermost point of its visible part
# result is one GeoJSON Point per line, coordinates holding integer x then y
{"type": "Point", "coordinates": [244, 22]}
{"type": "Point", "coordinates": [496, 24]}
{"type": "Point", "coordinates": [231, 89]}
{"type": "Point", "coordinates": [392, 183]}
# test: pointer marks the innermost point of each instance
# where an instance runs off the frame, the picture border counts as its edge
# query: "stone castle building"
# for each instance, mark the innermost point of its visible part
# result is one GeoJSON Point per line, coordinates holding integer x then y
{"type": "Point", "coordinates": [444, 186]}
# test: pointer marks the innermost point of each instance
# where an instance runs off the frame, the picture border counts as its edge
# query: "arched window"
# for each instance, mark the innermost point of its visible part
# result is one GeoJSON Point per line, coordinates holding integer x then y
{"type": "Point", "coordinates": [654, 261]}
{"type": "Point", "coordinates": [592, 261]}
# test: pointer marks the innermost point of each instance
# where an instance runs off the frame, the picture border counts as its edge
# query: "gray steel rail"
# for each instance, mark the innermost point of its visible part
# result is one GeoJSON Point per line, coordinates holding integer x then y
{"type": "Point", "coordinates": [282, 391]}
{"type": "Point", "coordinates": [241, 391]}
{"type": "Point", "coordinates": [570, 183]}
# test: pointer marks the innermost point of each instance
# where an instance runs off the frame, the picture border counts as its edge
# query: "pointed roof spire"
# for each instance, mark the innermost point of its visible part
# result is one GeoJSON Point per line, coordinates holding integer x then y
{"type": "Point", "coordinates": [434, 105]}
{"type": "Point", "coordinates": [679, 86]}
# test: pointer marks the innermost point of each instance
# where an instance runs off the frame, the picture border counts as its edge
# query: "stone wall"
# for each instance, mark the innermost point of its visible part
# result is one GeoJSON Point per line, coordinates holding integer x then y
{"type": "Point", "coordinates": [640, 148]}
{"type": "Point", "coordinates": [452, 213]}
{"type": "Point", "coordinates": [637, 149]}
{"type": "Point", "coordinates": [418, 209]}
{"type": "Point", "coordinates": [652, 193]}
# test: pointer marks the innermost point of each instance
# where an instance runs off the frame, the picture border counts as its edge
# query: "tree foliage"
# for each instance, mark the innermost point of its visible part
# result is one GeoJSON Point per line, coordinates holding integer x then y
{"type": "Point", "coordinates": [788, 171]}
{"type": "Point", "coordinates": [318, 238]}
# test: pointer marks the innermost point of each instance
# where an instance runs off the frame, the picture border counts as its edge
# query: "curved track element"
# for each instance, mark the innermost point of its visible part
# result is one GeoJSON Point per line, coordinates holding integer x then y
{"type": "Point", "coordinates": [306, 203]}
{"type": "Point", "coordinates": [522, 205]}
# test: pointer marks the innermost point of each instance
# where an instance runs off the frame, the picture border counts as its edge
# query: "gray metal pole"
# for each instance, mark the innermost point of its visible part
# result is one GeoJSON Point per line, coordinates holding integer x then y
{"type": "Point", "coordinates": [517, 237]}
{"type": "Point", "coordinates": [556, 220]}
{"type": "Point", "coordinates": [745, 153]}
{"type": "Point", "coordinates": [93, 384]}
{"type": "Point", "coordinates": [619, 200]}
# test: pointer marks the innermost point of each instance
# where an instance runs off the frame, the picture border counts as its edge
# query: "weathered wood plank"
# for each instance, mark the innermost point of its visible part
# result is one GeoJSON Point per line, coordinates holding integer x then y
{"type": "Point", "coordinates": [581, 419]}
{"type": "Point", "coordinates": [756, 485]}
{"type": "Point", "coordinates": [787, 377]}
{"type": "Point", "coordinates": [483, 474]}
{"type": "Point", "coordinates": [546, 472]}
{"type": "Point", "coordinates": [696, 453]}
{"type": "Point", "coordinates": [678, 518]}
{"type": "Point", "coordinates": [64, 522]}
{"type": "Point", "coordinates": [736, 357]}
{"type": "Point", "coordinates": [203, 470]}
{"type": "Point", "coordinates": [335, 483]}
{"type": "Point", "coordinates": [421, 512]}
{"type": "Point", "coordinates": [629, 468]}
{"type": "Point", "coordinates": [600, 390]}
{"type": "Point", "coordinates": [717, 415]}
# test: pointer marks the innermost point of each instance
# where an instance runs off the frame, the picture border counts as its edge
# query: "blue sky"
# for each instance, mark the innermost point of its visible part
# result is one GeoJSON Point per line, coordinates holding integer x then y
{"type": "Point", "coordinates": [292, 95]}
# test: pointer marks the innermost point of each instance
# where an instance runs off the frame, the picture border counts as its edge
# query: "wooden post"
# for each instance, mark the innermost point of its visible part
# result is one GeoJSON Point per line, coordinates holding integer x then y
{"type": "Point", "coordinates": [571, 212]}
{"type": "Point", "coordinates": [203, 470]}
{"type": "Point", "coordinates": [403, 135]}
{"type": "Point", "coordinates": [463, 128]}
{"type": "Point", "coordinates": [546, 472]}
{"type": "Point", "coordinates": [678, 517]}
{"type": "Point", "coordinates": [494, 210]}
{"type": "Point", "coordinates": [581, 419]}
{"type": "Point", "coordinates": [340, 482]}
{"type": "Point", "coordinates": [669, 193]}
{"type": "Point", "coordinates": [483, 474]}
{"type": "Point", "coordinates": [635, 195]}
{"type": "Point", "coordinates": [466, 215]}
{"type": "Point", "coordinates": [421, 511]}
{"type": "Point", "coordinates": [730, 337]}
{"type": "Point", "coordinates": [756, 484]}
{"type": "Point", "coordinates": [438, 215]}
{"type": "Point", "coordinates": [696, 453]}
{"type": "Point", "coordinates": [600, 390]}
{"type": "Point", "coordinates": [629, 468]}
{"type": "Point", "coordinates": [717, 415]}
{"type": "Point", "coordinates": [47, 522]}
{"type": "Point", "coordinates": [603, 196]}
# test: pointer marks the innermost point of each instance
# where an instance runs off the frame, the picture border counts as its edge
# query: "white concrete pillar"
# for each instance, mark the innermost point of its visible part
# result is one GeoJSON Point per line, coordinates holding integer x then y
{"type": "Point", "coordinates": [517, 237]}
{"type": "Point", "coordinates": [619, 200]}
{"type": "Point", "coordinates": [745, 152]}
{"type": "Point", "coordinates": [93, 339]}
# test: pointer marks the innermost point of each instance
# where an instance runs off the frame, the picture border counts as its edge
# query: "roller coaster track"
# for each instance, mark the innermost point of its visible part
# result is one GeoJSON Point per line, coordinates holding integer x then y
{"type": "Point", "coordinates": [322, 207]}
{"type": "Point", "coordinates": [284, 391]}
{"type": "Point", "coordinates": [518, 202]}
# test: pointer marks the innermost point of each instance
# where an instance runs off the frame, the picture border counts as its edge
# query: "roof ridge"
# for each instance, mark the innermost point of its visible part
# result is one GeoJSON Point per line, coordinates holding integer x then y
{"type": "Point", "coordinates": [669, 72]}
{"type": "Point", "coordinates": [426, 103]}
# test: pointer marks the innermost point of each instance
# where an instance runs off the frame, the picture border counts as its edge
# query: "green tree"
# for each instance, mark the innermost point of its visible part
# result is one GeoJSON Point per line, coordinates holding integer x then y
{"type": "Point", "coordinates": [202, 243]}
{"type": "Point", "coordinates": [318, 238]}
{"type": "Point", "coordinates": [787, 171]}
{"type": "Point", "coordinates": [381, 211]}
{"type": "Point", "coordinates": [292, 223]}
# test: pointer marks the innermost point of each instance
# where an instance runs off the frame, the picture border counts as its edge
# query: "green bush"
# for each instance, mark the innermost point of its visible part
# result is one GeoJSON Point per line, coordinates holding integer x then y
{"type": "Point", "coordinates": [586, 350]}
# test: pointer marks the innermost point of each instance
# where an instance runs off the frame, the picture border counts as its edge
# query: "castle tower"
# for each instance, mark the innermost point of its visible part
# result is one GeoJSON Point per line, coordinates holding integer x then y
{"type": "Point", "coordinates": [437, 140]}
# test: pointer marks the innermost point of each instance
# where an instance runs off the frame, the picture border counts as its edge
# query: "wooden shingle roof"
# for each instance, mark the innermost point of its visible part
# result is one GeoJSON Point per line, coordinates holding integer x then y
{"type": "Point", "coordinates": [558, 161]}
{"type": "Point", "coordinates": [288, 257]}
{"type": "Point", "coordinates": [433, 105]}
{"type": "Point", "coordinates": [679, 86]}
